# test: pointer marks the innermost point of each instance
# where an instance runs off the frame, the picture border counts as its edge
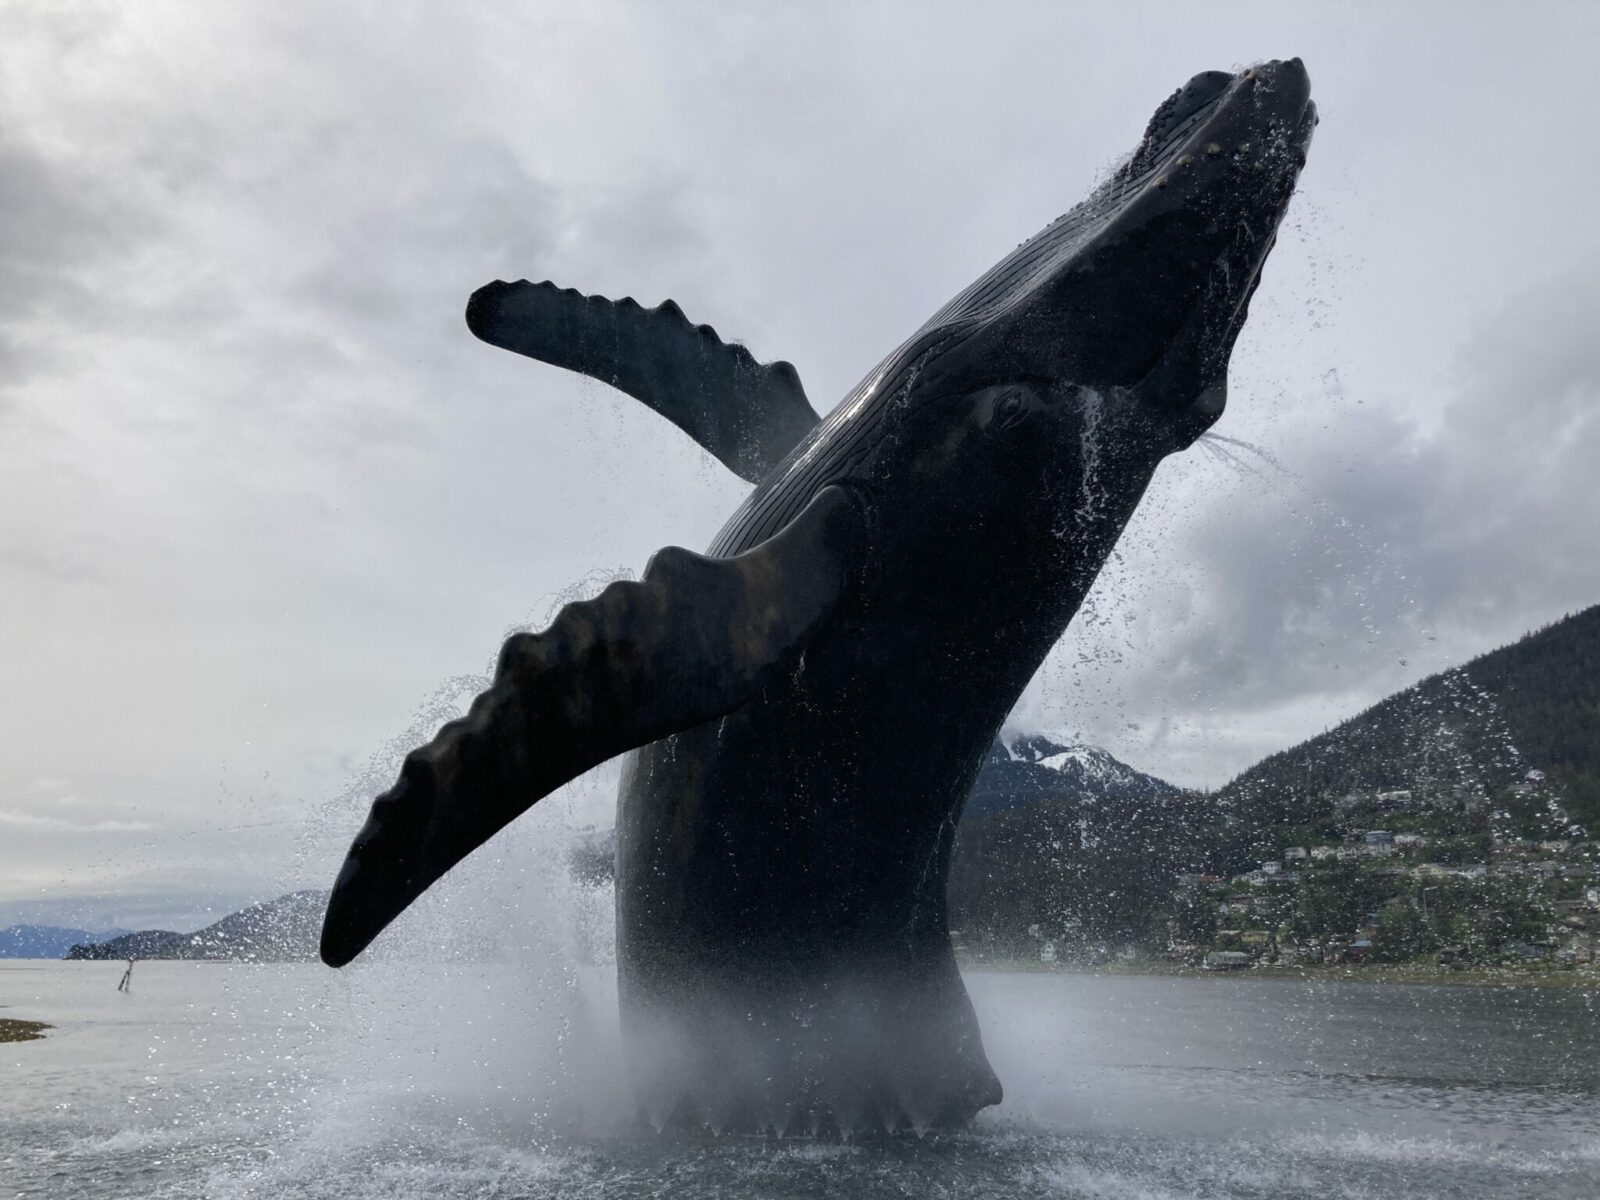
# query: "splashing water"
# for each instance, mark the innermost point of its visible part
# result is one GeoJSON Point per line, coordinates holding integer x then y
{"type": "Point", "coordinates": [416, 1078]}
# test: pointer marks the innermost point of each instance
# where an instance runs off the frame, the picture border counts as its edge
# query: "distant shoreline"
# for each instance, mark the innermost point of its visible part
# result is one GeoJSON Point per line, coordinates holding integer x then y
{"type": "Point", "coordinates": [1412, 973]}
{"type": "Point", "coordinates": [1583, 977]}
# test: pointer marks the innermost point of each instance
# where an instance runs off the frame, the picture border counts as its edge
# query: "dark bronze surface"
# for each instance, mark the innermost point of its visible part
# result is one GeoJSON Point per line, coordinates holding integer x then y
{"type": "Point", "coordinates": [812, 703]}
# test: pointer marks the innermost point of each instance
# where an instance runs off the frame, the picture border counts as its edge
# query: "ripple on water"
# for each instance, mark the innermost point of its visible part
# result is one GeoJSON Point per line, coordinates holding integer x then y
{"type": "Point", "coordinates": [247, 1087]}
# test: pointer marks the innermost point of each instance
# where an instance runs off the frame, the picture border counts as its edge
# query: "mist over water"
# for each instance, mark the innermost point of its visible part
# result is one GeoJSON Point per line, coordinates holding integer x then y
{"type": "Point", "coordinates": [477, 1054]}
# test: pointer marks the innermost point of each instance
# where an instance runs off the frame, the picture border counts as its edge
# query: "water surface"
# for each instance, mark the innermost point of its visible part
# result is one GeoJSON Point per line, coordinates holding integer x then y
{"type": "Point", "coordinates": [501, 1081]}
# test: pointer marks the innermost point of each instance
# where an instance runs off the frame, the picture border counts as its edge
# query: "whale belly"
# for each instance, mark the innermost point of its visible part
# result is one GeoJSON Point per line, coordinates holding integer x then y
{"type": "Point", "coordinates": [782, 949]}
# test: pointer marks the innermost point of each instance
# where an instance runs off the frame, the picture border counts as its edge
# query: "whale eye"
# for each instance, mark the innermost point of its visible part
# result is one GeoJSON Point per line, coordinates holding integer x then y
{"type": "Point", "coordinates": [1009, 408]}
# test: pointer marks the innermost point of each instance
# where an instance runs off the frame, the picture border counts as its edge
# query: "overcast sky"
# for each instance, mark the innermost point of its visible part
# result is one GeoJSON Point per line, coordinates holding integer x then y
{"type": "Point", "coordinates": [262, 495]}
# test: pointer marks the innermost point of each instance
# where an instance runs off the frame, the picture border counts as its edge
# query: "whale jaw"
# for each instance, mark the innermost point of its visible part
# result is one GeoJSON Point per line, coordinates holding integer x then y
{"type": "Point", "coordinates": [1145, 285]}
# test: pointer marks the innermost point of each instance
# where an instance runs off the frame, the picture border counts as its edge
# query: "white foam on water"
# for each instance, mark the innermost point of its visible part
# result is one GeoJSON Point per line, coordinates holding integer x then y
{"type": "Point", "coordinates": [129, 1141]}
{"type": "Point", "coordinates": [1429, 1151]}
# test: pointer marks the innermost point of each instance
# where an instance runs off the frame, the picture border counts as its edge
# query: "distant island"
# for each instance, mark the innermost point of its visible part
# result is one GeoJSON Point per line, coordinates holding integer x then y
{"type": "Point", "coordinates": [281, 930]}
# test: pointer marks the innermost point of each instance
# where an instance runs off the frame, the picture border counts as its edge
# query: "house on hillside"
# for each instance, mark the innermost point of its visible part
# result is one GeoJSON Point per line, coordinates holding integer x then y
{"type": "Point", "coordinates": [1572, 912]}
{"type": "Point", "coordinates": [1226, 960]}
{"type": "Point", "coordinates": [1268, 906]}
{"type": "Point", "coordinates": [1377, 841]}
{"type": "Point", "coordinates": [1430, 871]}
{"type": "Point", "coordinates": [1290, 954]}
{"type": "Point", "coordinates": [1529, 951]}
{"type": "Point", "coordinates": [1577, 948]}
{"type": "Point", "coordinates": [1358, 949]}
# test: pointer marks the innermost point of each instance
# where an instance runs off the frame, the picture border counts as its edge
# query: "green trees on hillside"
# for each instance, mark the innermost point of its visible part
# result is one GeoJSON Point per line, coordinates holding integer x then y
{"type": "Point", "coordinates": [1100, 869]}
{"type": "Point", "coordinates": [1335, 901]}
{"type": "Point", "coordinates": [1461, 738]}
{"type": "Point", "coordinates": [1403, 933]}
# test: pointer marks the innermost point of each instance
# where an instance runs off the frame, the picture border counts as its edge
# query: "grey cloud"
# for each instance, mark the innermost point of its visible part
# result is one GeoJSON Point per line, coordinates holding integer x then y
{"type": "Point", "coordinates": [45, 823]}
{"type": "Point", "coordinates": [261, 490]}
{"type": "Point", "coordinates": [58, 219]}
{"type": "Point", "coordinates": [54, 213]}
{"type": "Point", "coordinates": [1382, 548]}
{"type": "Point", "coordinates": [408, 261]}
{"type": "Point", "coordinates": [67, 560]}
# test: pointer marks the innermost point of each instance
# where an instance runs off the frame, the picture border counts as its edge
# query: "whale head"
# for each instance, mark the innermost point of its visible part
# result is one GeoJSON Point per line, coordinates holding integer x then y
{"type": "Point", "coordinates": [1047, 392]}
{"type": "Point", "coordinates": [1044, 395]}
{"type": "Point", "coordinates": [1141, 290]}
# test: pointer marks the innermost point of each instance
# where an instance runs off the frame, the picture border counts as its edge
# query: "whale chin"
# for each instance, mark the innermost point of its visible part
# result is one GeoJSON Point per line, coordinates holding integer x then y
{"type": "Point", "coordinates": [848, 1059]}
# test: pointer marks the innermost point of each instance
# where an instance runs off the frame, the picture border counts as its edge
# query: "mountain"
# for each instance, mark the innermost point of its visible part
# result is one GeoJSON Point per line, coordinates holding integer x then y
{"type": "Point", "coordinates": [47, 941]}
{"type": "Point", "coordinates": [1037, 765]}
{"type": "Point", "coordinates": [281, 930]}
{"type": "Point", "coordinates": [1498, 758]}
{"type": "Point", "coordinates": [1064, 837]}
{"type": "Point", "coordinates": [1515, 732]}
{"type": "Point", "coordinates": [145, 943]}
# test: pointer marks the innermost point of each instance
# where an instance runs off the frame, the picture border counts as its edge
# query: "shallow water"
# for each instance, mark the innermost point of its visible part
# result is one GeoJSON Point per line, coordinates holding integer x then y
{"type": "Point", "coordinates": [500, 1081]}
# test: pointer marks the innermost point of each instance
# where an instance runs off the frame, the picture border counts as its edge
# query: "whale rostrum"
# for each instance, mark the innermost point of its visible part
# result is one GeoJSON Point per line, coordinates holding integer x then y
{"type": "Point", "coordinates": [895, 578]}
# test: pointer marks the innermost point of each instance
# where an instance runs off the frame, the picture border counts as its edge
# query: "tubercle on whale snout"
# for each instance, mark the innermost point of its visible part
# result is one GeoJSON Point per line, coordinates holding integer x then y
{"type": "Point", "coordinates": [1258, 118]}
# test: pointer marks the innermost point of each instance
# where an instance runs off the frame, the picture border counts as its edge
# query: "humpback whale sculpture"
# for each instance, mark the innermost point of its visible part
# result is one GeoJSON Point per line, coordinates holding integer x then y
{"type": "Point", "coordinates": [896, 577]}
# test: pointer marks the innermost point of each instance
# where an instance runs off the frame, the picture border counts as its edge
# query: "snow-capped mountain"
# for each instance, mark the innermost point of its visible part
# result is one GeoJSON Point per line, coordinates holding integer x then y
{"type": "Point", "coordinates": [1064, 837]}
{"type": "Point", "coordinates": [1029, 767]}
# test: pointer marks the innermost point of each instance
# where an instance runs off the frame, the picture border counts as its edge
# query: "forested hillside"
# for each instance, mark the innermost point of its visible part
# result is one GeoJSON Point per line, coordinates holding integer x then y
{"type": "Point", "coordinates": [1462, 740]}
{"type": "Point", "coordinates": [1065, 839]}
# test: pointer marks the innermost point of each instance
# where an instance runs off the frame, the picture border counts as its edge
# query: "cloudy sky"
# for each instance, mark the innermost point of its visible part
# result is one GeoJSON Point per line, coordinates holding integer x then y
{"type": "Point", "coordinates": [262, 496]}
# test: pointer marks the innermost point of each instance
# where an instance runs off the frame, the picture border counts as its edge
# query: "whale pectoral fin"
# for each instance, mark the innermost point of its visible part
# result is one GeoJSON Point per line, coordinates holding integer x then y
{"type": "Point", "coordinates": [694, 639]}
{"type": "Point", "coordinates": [748, 414]}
